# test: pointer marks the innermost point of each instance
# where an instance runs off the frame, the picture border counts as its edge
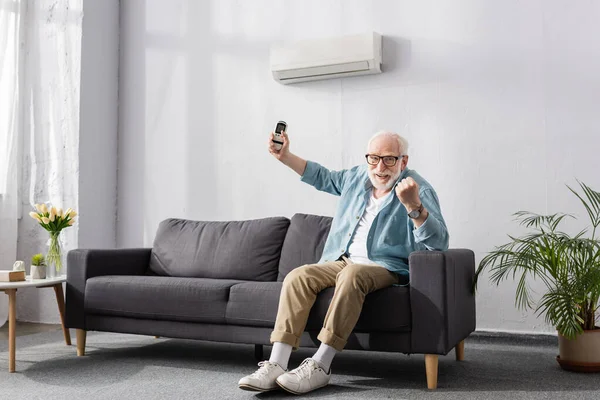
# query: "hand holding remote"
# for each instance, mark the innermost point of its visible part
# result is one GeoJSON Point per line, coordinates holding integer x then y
{"type": "Point", "coordinates": [279, 151]}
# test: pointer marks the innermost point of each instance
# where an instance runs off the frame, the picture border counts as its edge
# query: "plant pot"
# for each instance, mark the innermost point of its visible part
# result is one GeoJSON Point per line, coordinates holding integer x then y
{"type": "Point", "coordinates": [581, 354]}
{"type": "Point", "coordinates": [38, 272]}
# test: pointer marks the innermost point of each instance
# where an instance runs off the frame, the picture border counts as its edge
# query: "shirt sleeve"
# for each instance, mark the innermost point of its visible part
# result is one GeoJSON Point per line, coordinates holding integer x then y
{"type": "Point", "coordinates": [433, 233]}
{"type": "Point", "coordinates": [323, 179]}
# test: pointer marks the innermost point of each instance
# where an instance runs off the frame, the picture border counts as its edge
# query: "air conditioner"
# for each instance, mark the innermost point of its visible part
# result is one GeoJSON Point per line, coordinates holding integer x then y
{"type": "Point", "coordinates": [338, 57]}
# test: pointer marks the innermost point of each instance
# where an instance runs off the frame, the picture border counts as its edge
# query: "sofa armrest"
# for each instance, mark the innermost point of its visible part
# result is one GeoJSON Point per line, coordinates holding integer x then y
{"type": "Point", "coordinates": [88, 263]}
{"type": "Point", "coordinates": [442, 300]}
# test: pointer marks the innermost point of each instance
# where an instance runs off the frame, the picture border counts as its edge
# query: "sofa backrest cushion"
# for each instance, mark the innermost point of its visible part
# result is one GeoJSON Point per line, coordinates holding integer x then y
{"type": "Point", "coordinates": [304, 242]}
{"type": "Point", "coordinates": [245, 250]}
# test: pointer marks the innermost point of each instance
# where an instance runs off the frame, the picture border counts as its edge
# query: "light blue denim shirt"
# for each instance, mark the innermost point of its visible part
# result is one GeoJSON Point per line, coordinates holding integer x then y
{"type": "Point", "coordinates": [392, 236]}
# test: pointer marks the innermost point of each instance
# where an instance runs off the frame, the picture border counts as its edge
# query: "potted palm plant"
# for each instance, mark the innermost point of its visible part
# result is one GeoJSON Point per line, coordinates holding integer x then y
{"type": "Point", "coordinates": [569, 267]}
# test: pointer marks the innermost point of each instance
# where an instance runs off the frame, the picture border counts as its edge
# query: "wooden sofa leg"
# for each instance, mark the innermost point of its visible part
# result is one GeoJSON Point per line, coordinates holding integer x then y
{"type": "Point", "coordinates": [258, 352]}
{"type": "Point", "coordinates": [431, 368]}
{"type": "Point", "coordinates": [460, 351]}
{"type": "Point", "coordinates": [81, 334]}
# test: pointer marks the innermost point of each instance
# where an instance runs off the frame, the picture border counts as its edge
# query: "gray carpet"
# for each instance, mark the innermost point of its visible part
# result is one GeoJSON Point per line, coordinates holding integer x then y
{"type": "Point", "coordinates": [139, 367]}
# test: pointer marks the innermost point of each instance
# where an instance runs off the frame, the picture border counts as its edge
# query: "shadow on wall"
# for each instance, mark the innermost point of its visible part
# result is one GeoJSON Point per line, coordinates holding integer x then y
{"type": "Point", "coordinates": [166, 74]}
{"type": "Point", "coordinates": [397, 54]}
{"type": "Point", "coordinates": [202, 149]}
{"type": "Point", "coordinates": [171, 73]}
{"type": "Point", "coordinates": [132, 123]}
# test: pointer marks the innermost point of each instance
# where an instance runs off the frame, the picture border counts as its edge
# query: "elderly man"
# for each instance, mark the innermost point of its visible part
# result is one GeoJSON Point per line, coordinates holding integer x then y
{"type": "Point", "coordinates": [386, 211]}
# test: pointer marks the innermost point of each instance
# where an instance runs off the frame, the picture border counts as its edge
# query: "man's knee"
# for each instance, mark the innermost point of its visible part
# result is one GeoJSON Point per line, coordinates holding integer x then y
{"type": "Point", "coordinates": [298, 275]}
{"type": "Point", "coordinates": [353, 275]}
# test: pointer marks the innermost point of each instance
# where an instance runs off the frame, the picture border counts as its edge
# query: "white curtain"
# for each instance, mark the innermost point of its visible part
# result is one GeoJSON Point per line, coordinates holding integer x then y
{"type": "Point", "coordinates": [50, 128]}
{"type": "Point", "coordinates": [11, 35]}
{"type": "Point", "coordinates": [40, 62]}
{"type": "Point", "coordinates": [11, 12]}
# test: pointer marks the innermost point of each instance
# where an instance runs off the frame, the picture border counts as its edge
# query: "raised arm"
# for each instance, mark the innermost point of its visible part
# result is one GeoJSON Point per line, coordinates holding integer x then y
{"type": "Point", "coordinates": [285, 156]}
{"type": "Point", "coordinates": [312, 173]}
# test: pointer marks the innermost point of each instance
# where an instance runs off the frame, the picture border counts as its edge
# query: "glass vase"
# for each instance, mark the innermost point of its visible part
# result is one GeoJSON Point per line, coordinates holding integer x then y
{"type": "Point", "coordinates": [54, 256]}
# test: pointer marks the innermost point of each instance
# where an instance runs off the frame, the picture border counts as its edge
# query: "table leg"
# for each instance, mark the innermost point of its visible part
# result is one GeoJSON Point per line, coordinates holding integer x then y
{"type": "Point", "coordinates": [60, 299]}
{"type": "Point", "coordinates": [12, 321]}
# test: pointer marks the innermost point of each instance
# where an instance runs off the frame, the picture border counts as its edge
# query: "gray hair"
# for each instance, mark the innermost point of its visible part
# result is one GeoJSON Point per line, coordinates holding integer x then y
{"type": "Point", "coordinates": [402, 142]}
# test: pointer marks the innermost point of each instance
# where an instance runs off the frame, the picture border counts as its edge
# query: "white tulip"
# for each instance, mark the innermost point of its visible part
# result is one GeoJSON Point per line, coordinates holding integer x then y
{"type": "Point", "coordinates": [71, 222]}
{"type": "Point", "coordinates": [52, 214]}
{"type": "Point", "coordinates": [72, 214]}
{"type": "Point", "coordinates": [44, 209]}
{"type": "Point", "coordinates": [35, 216]}
{"type": "Point", "coordinates": [38, 207]}
{"type": "Point", "coordinates": [46, 220]}
{"type": "Point", "coordinates": [59, 212]}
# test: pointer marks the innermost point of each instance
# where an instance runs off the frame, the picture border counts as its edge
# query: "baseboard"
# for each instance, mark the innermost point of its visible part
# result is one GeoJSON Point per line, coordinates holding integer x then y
{"type": "Point", "coordinates": [515, 338]}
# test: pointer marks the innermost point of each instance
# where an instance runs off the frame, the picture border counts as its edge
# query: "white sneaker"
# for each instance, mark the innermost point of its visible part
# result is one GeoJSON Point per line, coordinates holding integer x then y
{"type": "Point", "coordinates": [307, 377]}
{"type": "Point", "coordinates": [263, 379]}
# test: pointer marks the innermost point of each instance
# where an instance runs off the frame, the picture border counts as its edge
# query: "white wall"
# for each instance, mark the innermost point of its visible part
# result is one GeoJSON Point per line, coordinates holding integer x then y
{"type": "Point", "coordinates": [498, 99]}
{"type": "Point", "coordinates": [99, 124]}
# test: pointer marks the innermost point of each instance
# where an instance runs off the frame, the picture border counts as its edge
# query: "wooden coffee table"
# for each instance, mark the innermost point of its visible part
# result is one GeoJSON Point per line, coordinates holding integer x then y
{"type": "Point", "coordinates": [10, 288]}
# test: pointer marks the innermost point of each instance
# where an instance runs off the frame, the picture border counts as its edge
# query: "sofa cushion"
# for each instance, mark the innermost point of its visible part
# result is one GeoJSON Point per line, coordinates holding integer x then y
{"type": "Point", "coordinates": [158, 297]}
{"type": "Point", "coordinates": [255, 304]}
{"type": "Point", "coordinates": [304, 242]}
{"type": "Point", "coordinates": [245, 250]}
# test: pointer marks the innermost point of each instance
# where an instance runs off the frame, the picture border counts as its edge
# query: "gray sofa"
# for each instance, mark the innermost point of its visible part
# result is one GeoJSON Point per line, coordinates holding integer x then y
{"type": "Point", "coordinates": [220, 281]}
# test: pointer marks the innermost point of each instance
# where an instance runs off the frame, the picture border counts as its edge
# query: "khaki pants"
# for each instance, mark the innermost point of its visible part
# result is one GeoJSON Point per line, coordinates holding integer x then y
{"type": "Point", "coordinates": [300, 288]}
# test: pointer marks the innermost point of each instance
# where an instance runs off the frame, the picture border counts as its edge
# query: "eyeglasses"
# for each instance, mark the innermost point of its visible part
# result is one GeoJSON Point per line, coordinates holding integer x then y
{"type": "Point", "coordinates": [389, 161]}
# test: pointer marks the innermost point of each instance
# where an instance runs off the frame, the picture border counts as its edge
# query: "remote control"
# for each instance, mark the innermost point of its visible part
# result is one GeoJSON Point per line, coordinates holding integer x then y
{"type": "Point", "coordinates": [278, 139]}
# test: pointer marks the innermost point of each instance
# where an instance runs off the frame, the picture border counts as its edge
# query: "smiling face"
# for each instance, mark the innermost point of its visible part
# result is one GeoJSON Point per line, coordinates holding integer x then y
{"type": "Point", "coordinates": [383, 176]}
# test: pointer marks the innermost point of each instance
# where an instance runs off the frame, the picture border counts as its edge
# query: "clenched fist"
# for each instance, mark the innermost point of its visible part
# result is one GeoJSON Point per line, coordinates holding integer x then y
{"type": "Point", "coordinates": [407, 191]}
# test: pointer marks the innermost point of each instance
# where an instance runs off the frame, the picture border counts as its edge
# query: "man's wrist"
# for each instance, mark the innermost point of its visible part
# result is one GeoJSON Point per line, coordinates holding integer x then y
{"type": "Point", "coordinates": [422, 218]}
{"type": "Point", "coordinates": [413, 206]}
{"type": "Point", "coordinates": [285, 159]}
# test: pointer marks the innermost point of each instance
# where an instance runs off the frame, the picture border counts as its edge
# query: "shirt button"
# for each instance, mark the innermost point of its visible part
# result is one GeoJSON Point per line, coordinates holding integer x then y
{"type": "Point", "coordinates": [357, 217]}
{"type": "Point", "coordinates": [349, 234]}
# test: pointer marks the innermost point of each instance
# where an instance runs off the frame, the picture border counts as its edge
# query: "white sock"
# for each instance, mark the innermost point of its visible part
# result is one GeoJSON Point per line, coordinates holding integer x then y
{"type": "Point", "coordinates": [281, 354]}
{"type": "Point", "coordinates": [324, 356]}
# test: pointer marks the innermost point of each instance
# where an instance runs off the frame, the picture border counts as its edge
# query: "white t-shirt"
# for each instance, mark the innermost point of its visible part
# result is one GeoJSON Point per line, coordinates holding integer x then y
{"type": "Point", "coordinates": [357, 251]}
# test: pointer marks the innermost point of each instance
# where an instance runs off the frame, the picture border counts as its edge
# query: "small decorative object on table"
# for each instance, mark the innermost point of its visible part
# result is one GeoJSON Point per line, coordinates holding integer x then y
{"type": "Point", "coordinates": [54, 220]}
{"type": "Point", "coordinates": [19, 266]}
{"type": "Point", "coordinates": [38, 267]}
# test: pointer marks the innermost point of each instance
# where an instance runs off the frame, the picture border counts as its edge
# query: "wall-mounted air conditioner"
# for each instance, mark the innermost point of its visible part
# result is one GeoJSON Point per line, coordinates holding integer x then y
{"type": "Point", "coordinates": [338, 57]}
